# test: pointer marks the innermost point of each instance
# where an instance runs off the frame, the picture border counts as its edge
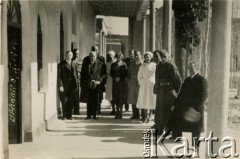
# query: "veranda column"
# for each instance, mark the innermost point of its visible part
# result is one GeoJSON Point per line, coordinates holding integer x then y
{"type": "Point", "coordinates": [130, 32]}
{"type": "Point", "coordinates": [143, 33]}
{"type": "Point", "coordinates": [167, 25]}
{"type": "Point", "coordinates": [152, 25]}
{"type": "Point", "coordinates": [219, 70]}
{"type": "Point", "coordinates": [101, 42]}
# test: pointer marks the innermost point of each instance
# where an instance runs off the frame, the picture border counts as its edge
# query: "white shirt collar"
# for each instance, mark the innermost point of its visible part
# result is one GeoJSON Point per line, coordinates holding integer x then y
{"type": "Point", "coordinates": [194, 75]}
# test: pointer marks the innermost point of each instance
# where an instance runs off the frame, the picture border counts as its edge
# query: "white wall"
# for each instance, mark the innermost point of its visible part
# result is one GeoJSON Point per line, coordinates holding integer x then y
{"type": "Point", "coordinates": [38, 107]}
{"type": "Point", "coordinates": [3, 85]}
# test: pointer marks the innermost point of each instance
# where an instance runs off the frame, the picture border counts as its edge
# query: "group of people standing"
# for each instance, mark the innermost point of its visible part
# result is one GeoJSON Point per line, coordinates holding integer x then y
{"type": "Point", "coordinates": [150, 84]}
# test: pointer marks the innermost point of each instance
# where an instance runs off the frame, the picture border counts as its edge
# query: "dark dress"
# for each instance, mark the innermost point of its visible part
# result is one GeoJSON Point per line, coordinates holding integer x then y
{"type": "Point", "coordinates": [193, 94]}
{"type": "Point", "coordinates": [119, 88]}
{"type": "Point", "coordinates": [67, 78]}
{"type": "Point", "coordinates": [167, 85]}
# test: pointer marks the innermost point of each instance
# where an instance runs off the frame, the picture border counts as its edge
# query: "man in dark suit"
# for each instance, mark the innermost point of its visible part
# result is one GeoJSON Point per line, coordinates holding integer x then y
{"type": "Point", "coordinates": [67, 82]}
{"type": "Point", "coordinates": [93, 73]}
{"type": "Point", "coordinates": [103, 83]}
{"type": "Point", "coordinates": [129, 60]}
{"type": "Point", "coordinates": [78, 62]}
{"type": "Point", "coordinates": [193, 95]}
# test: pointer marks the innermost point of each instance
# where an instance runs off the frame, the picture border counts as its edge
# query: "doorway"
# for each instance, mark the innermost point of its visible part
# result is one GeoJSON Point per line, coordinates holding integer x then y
{"type": "Point", "coordinates": [14, 37]}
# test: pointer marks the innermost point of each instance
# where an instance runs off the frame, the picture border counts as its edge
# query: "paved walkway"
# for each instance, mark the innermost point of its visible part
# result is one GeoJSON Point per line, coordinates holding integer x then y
{"type": "Point", "coordinates": [106, 138]}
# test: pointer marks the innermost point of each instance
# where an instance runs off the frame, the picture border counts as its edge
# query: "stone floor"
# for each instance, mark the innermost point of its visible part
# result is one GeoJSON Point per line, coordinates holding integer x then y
{"type": "Point", "coordinates": [105, 138]}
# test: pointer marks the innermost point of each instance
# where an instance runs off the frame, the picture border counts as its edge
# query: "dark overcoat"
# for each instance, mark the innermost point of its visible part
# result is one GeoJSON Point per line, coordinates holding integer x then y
{"type": "Point", "coordinates": [167, 85]}
{"type": "Point", "coordinates": [193, 94]}
{"type": "Point", "coordinates": [99, 74]}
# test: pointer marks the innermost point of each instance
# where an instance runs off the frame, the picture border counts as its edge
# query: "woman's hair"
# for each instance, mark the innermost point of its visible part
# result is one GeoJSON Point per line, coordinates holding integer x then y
{"type": "Point", "coordinates": [164, 54]}
{"type": "Point", "coordinates": [119, 54]}
{"type": "Point", "coordinates": [156, 56]}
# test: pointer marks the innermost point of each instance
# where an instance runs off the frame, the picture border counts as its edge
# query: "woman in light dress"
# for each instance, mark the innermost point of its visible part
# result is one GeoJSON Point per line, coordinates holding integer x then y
{"type": "Point", "coordinates": [110, 60]}
{"type": "Point", "coordinates": [146, 77]}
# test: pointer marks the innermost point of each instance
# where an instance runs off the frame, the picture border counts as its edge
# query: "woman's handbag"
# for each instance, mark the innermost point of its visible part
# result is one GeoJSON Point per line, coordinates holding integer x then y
{"type": "Point", "coordinates": [191, 115]}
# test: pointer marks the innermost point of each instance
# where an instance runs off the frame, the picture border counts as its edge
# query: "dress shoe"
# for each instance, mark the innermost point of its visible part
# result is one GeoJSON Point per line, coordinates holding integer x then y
{"type": "Point", "coordinates": [95, 118]}
{"type": "Point", "coordinates": [63, 118]}
{"type": "Point", "coordinates": [70, 118]}
{"type": "Point", "coordinates": [88, 118]}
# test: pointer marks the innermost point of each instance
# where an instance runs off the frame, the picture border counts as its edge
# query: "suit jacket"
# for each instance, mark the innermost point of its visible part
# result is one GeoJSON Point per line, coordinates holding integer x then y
{"type": "Point", "coordinates": [67, 76]}
{"type": "Point", "coordinates": [193, 93]}
{"type": "Point", "coordinates": [99, 73]}
{"type": "Point", "coordinates": [167, 78]}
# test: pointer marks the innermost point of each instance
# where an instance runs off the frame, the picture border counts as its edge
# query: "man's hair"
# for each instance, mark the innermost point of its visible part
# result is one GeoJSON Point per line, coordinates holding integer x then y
{"type": "Point", "coordinates": [67, 52]}
{"type": "Point", "coordinates": [119, 54]}
{"type": "Point", "coordinates": [196, 64]}
{"type": "Point", "coordinates": [93, 52]}
{"type": "Point", "coordinates": [164, 53]}
{"type": "Point", "coordinates": [93, 48]}
{"type": "Point", "coordinates": [137, 52]}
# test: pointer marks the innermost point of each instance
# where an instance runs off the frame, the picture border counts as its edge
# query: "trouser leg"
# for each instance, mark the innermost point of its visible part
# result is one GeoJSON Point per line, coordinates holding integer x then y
{"type": "Point", "coordinates": [89, 108]}
{"type": "Point", "coordinates": [63, 100]}
{"type": "Point", "coordinates": [117, 110]}
{"type": "Point", "coordinates": [176, 132]}
{"type": "Point", "coordinates": [126, 106]}
{"type": "Point", "coordinates": [120, 110]}
{"type": "Point", "coordinates": [69, 105]}
{"type": "Point", "coordinates": [135, 111]}
{"type": "Point", "coordinates": [76, 103]}
{"type": "Point", "coordinates": [113, 106]}
{"type": "Point", "coordinates": [144, 114]}
{"type": "Point", "coordinates": [195, 136]}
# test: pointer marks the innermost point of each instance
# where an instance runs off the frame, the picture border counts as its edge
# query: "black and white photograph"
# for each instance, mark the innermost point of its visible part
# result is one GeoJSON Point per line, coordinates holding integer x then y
{"type": "Point", "coordinates": [119, 79]}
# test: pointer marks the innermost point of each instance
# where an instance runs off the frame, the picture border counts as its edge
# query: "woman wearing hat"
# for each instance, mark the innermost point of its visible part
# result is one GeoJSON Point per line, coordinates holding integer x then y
{"type": "Point", "coordinates": [146, 78]}
{"type": "Point", "coordinates": [118, 73]}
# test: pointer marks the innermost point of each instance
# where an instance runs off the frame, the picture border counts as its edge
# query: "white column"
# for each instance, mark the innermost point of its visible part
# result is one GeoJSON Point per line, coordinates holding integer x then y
{"type": "Point", "coordinates": [152, 25]}
{"type": "Point", "coordinates": [100, 42]}
{"type": "Point", "coordinates": [167, 25]}
{"type": "Point", "coordinates": [143, 33]}
{"type": "Point", "coordinates": [219, 70]}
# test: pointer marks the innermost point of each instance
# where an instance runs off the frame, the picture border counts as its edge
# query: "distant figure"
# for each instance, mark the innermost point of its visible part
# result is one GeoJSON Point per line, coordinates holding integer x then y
{"type": "Point", "coordinates": [133, 84]}
{"type": "Point", "coordinates": [168, 83]}
{"type": "Point", "coordinates": [146, 77]}
{"type": "Point", "coordinates": [78, 61]}
{"type": "Point", "coordinates": [129, 60]}
{"type": "Point", "coordinates": [93, 73]}
{"type": "Point", "coordinates": [192, 95]}
{"type": "Point", "coordinates": [110, 60]}
{"type": "Point", "coordinates": [67, 82]}
{"type": "Point", "coordinates": [119, 74]}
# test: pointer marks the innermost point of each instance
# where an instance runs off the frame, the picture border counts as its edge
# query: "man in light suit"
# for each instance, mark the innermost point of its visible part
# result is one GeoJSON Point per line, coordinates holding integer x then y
{"type": "Point", "coordinates": [67, 83]}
